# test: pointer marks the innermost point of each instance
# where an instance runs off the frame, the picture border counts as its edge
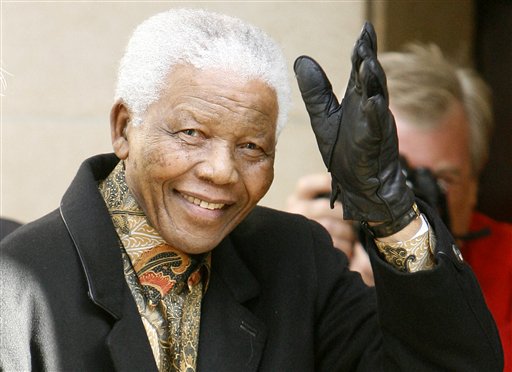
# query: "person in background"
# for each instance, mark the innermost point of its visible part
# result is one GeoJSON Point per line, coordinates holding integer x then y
{"type": "Point", "coordinates": [444, 121]}
{"type": "Point", "coordinates": [311, 199]}
{"type": "Point", "coordinates": [159, 258]}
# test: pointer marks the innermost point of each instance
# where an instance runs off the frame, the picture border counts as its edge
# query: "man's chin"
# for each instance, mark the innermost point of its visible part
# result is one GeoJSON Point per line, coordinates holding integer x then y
{"type": "Point", "coordinates": [193, 245]}
{"type": "Point", "coordinates": [195, 238]}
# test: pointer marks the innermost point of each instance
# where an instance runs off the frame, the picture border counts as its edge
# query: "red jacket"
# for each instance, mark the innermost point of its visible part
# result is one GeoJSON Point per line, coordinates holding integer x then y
{"type": "Point", "coordinates": [491, 260]}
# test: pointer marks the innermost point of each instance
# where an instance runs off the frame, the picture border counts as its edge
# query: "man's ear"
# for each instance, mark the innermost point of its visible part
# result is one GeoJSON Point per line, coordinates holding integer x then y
{"type": "Point", "coordinates": [119, 122]}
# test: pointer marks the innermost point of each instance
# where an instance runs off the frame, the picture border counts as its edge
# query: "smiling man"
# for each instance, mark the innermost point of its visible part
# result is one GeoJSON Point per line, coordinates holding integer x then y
{"type": "Point", "coordinates": [203, 156]}
{"type": "Point", "coordinates": [159, 259]}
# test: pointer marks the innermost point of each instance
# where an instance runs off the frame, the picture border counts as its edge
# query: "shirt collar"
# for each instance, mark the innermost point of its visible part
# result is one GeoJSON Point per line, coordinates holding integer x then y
{"type": "Point", "coordinates": [132, 226]}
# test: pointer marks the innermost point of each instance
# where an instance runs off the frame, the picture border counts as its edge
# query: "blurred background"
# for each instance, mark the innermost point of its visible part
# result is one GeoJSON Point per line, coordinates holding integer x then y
{"type": "Point", "coordinates": [59, 62]}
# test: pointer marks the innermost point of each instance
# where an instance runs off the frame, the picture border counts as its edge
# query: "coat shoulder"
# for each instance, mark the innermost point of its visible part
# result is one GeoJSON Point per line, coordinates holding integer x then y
{"type": "Point", "coordinates": [30, 238]}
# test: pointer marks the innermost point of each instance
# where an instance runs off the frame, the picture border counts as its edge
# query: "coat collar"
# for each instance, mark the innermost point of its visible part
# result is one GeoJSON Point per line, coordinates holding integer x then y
{"type": "Point", "coordinates": [88, 222]}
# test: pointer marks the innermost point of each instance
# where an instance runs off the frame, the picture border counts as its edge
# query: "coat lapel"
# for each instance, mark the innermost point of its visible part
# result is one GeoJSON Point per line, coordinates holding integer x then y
{"type": "Point", "coordinates": [126, 354]}
{"type": "Point", "coordinates": [231, 337]}
{"type": "Point", "coordinates": [88, 222]}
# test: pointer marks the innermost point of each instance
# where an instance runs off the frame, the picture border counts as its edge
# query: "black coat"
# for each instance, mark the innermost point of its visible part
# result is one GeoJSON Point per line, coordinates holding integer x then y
{"type": "Point", "coordinates": [280, 299]}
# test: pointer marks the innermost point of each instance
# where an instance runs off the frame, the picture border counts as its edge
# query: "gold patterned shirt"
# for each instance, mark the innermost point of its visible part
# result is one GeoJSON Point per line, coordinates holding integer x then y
{"type": "Point", "coordinates": [167, 284]}
{"type": "Point", "coordinates": [414, 254]}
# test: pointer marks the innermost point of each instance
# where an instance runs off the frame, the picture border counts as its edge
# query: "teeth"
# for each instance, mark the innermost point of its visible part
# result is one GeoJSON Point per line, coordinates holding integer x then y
{"type": "Point", "coordinates": [203, 203]}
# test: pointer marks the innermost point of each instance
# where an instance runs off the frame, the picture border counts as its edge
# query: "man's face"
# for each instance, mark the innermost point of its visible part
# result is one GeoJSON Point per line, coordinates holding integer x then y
{"type": "Point", "coordinates": [444, 149]}
{"type": "Point", "coordinates": [203, 156]}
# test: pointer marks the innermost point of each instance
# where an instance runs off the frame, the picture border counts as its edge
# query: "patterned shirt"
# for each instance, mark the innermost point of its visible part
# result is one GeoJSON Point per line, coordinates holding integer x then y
{"type": "Point", "coordinates": [167, 284]}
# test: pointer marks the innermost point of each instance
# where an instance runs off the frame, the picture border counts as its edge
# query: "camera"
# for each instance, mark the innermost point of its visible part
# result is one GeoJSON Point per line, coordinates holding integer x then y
{"type": "Point", "coordinates": [425, 186]}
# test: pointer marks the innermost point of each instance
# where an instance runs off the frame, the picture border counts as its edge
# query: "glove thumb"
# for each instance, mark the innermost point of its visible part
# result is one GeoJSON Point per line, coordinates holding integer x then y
{"type": "Point", "coordinates": [320, 103]}
{"type": "Point", "coordinates": [315, 87]}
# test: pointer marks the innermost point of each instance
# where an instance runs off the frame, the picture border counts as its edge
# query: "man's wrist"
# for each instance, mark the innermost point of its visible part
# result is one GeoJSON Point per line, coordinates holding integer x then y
{"type": "Point", "coordinates": [411, 249]}
{"type": "Point", "coordinates": [386, 229]}
{"type": "Point", "coordinates": [407, 233]}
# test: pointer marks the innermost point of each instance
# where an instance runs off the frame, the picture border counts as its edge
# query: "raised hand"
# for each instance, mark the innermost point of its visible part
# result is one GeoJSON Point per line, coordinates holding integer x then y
{"type": "Point", "coordinates": [358, 140]}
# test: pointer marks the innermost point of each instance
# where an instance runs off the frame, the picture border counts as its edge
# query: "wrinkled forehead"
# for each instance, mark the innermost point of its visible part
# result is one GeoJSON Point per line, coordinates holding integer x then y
{"type": "Point", "coordinates": [220, 84]}
{"type": "Point", "coordinates": [218, 95]}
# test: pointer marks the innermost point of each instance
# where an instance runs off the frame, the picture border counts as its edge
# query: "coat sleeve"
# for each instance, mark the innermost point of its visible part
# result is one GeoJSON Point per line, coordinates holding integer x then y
{"type": "Point", "coordinates": [437, 319]}
{"type": "Point", "coordinates": [27, 337]}
{"type": "Point", "coordinates": [433, 320]}
{"type": "Point", "coordinates": [347, 334]}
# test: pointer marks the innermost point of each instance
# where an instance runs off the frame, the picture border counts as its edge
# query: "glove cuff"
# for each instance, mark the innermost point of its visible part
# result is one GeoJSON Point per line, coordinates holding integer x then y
{"type": "Point", "coordinates": [392, 227]}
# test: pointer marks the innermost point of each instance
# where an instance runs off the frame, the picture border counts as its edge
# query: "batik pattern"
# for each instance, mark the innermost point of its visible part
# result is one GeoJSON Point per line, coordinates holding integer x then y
{"type": "Point", "coordinates": [167, 284]}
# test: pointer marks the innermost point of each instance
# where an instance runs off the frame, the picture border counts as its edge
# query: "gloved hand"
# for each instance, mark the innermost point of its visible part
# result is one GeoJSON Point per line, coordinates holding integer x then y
{"type": "Point", "coordinates": [358, 140]}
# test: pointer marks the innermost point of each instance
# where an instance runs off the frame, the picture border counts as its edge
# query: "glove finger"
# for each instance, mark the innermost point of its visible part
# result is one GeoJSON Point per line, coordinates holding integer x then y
{"type": "Point", "coordinates": [369, 36]}
{"type": "Point", "coordinates": [373, 79]}
{"type": "Point", "coordinates": [366, 44]}
{"type": "Point", "coordinates": [379, 125]}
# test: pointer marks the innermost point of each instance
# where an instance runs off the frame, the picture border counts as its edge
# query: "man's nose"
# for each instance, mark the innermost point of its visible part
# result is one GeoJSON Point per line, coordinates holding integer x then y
{"type": "Point", "coordinates": [219, 165]}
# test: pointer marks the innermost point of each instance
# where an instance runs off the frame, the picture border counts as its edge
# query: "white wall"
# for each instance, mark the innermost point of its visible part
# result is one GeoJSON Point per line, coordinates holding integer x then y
{"type": "Point", "coordinates": [62, 58]}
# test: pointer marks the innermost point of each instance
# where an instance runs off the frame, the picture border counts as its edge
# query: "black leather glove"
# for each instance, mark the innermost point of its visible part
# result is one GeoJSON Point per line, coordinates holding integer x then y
{"type": "Point", "coordinates": [358, 140]}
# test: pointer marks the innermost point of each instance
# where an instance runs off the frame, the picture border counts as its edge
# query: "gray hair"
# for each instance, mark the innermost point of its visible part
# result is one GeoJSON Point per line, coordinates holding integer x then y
{"type": "Point", "coordinates": [204, 40]}
{"type": "Point", "coordinates": [422, 85]}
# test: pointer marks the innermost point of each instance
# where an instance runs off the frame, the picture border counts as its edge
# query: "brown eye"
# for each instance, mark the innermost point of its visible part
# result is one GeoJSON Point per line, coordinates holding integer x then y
{"type": "Point", "coordinates": [250, 146]}
{"type": "Point", "coordinates": [252, 151]}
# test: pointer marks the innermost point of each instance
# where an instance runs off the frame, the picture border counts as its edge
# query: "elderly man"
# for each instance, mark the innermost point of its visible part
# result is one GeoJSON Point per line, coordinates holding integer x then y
{"type": "Point", "coordinates": [159, 259]}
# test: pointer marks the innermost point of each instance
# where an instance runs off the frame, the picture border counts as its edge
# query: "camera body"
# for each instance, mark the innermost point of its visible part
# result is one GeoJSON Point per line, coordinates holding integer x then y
{"type": "Point", "coordinates": [426, 187]}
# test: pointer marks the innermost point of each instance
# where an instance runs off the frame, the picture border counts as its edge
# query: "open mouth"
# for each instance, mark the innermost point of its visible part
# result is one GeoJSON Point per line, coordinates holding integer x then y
{"type": "Point", "coordinates": [203, 203]}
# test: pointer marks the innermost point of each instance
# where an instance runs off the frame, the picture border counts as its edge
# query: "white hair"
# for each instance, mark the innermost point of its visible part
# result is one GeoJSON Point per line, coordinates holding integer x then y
{"type": "Point", "coordinates": [205, 40]}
